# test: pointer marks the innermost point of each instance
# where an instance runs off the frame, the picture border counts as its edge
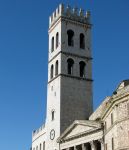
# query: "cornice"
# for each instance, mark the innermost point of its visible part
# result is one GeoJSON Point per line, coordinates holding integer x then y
{"type": "Point", "coordinates": [38, 137]}
{"type": "Point", "coordinates": [70, 54]}
{"type": "Point", "coordinates": [70, 76]}
{"type": "Point", "coordinates": [68, 20]}
{"type": "Point", "coordinates": [115, 100]}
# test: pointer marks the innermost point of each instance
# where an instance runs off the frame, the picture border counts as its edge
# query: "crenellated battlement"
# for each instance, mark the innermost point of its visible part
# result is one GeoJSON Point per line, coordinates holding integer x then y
{"type": "Point", "coordinates": [74, 14]}
{"type": "Point", "coordinates": [38, 131]}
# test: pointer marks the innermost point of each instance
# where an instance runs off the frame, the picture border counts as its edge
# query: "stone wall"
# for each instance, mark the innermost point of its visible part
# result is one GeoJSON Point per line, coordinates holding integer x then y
{"type": "Point", "coordinates": [116, 122]}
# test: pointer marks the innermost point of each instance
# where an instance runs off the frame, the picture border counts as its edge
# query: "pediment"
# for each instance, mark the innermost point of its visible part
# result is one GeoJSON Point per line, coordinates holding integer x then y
{"type": "Point", "coordinates": [79, 128]}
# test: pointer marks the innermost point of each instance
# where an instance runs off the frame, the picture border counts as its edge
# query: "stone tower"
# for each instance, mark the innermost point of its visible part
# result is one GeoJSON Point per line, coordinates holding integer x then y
{"type": "Point", "coordinates": [69, 95]}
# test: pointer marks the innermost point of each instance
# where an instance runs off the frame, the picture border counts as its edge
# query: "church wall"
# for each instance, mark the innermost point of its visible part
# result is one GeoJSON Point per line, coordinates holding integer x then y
{"type": "Point", "coordinates": [119, 129]}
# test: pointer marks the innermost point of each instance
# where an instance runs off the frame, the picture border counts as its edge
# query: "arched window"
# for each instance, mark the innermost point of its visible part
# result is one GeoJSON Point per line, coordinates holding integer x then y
{"type": "Point", "coordinates": [57, 39]}
{"type": "Point", "coordinates": [53, 115]}
{"type": "Point", "coordinates": [40, 146]}
{"type": "Point", "coordinates": [82, 69]}
{"type": "Point", "coordinates": [37, 148]}
{"type": "Point", "coordinates": [52, 44]}
{"type": "Point", "coordinates": [56, 68]}
{"type": "Point", "coordinates": [70, 38]}
{"type": "Point", "coordinates": [52, 69]}
{"type": "Point", "coordinates": [70, 66]}
{"type": "Point", "coordinates": [44, 145]}
{"type": "Point", "coordinates": [82, 41]}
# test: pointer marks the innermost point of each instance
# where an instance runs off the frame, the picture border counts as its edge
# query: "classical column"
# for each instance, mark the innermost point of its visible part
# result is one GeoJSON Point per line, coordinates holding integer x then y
{"type": "Point", "coordinates": [83, 147]}
{"type": "Point", "coordinates": [92, 145]}
{"type": "Point", "coordinates": [102, 144]}
{"type": "Point", "coordinates": [75, 148]}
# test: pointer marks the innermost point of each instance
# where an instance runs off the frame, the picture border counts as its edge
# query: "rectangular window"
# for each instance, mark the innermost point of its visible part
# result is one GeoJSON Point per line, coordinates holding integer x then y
{"type": "Point", "coordinates": [111, 118]}
{"type": "Point", "coordinates": [105, 126]}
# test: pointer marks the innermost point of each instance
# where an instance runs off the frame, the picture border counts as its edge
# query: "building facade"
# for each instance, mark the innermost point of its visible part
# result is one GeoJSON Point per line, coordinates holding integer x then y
{"type": "Point", "coordinates": [69, 94]}
{"type": "Point", "coordinates": [70, 123]}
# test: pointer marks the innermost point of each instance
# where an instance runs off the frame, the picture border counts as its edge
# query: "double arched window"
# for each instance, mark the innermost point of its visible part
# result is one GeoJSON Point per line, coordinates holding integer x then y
{"type": "Point", "coordinates": [55, 41]}
{"type": "Point", "coordinates": [70, 64]}
{"type": "Point", "coordinates": [82, 68]}
{"type": "Point", "coordinates": [70, 34]}
{"type": "Point", "coordinates": [82, 41]}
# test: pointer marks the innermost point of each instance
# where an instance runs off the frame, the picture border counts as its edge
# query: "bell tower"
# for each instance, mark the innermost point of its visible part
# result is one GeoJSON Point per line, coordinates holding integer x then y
{"type": "Point", "coordinates": [69, 94]}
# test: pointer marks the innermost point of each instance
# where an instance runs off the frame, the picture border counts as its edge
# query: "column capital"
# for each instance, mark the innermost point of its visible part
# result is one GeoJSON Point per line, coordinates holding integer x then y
{"type": "Point", "coordinates": [101, 141]}
{"type": "Point", "coordinates": [83, 147]}
{"type": "Point", "coordinates": [75, 148]}
{"type": "Point", "coordinates": [92, 145]}
{"type": "Point", "coordinates": [91, 142]}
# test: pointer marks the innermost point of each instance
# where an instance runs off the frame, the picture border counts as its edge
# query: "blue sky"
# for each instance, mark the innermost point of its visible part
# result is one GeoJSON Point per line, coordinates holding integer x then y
{"type": "Point", "coordinates": [23, 60]}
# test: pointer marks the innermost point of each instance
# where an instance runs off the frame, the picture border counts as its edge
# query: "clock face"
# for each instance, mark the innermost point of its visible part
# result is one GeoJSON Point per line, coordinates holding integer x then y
{"type": "Point", "coordinates": [52, 134]}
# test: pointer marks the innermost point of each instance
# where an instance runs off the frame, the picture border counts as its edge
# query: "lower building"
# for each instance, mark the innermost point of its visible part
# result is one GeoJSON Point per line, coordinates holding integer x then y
{"type": "Point", "coordinates": [106, 129]}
